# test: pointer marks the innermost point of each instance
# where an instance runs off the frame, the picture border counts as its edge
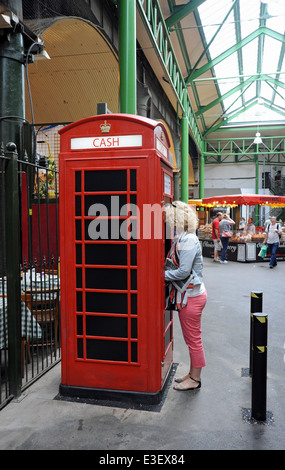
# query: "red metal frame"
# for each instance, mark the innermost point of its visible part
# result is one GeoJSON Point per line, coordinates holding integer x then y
{"type": "Point", "coordinates": [145, 370]}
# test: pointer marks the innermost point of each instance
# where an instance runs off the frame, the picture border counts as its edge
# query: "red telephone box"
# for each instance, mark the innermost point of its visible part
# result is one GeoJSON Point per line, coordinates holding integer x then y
{"type": "Point", "coordinates": [117, 338]}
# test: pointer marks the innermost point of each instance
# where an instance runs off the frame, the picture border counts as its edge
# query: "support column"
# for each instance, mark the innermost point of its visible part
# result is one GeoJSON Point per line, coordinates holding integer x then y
{"type": "Point", "coordinates": [143, 97]}
{"type": "Point", "coordinates": [202, 172]}
{"type": "Point", "coordinates": [12, 90]}
{"type": "Point", "coordinates": [127, 56]}
{"type": "Point", "coordinates": [13, 271]}
{"type": "Point", "coordinates": [176, 174]}
{"type": "Point", "coordinates": [256, 188]}
{"type": "Point", "coordinates": [184, 150]}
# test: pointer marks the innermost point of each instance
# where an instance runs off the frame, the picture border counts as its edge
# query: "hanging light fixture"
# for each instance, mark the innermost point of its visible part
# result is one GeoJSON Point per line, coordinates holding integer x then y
{"type": "Point", "coordinates": [257, 139]}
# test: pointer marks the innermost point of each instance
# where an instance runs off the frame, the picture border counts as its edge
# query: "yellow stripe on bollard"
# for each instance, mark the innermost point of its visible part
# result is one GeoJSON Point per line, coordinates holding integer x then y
{"type": "Point", "coordinates": [262, 319]}
{"type": "Point", "coordinates": [255, 296]}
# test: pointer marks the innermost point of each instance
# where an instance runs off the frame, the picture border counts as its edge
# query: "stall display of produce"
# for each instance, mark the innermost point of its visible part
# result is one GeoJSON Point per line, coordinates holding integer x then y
{"type": "Point", "coordinates": [243, 247]}
{"type": "Point", "coordinates": [205, 231]}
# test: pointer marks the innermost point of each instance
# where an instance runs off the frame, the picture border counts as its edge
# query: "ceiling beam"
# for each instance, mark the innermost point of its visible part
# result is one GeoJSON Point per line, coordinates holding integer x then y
{"type": "Point", "coordinates": [279, 67]}
{"type": "Point", "coordinates": [223, 56]}
{"type": "Point", "coordinates": [275, 82]}
{"type": "Point", "coordinates": [153, 21]}
{"type": "Point", "coordinates": [252, 79]}
{"type": "Point", "coordinates": [207, 45]}
{"type": "Point", "coordinates": [260, 49]}
{"type": "Point", "coordinates": [249, 105]}
{"type": "Point", "coordinates": [238, 39]}
{"type": "Point", "coordinates": [239, 87]}
{"type": "Point", "coordinates": [260, 31]}
{"type": "Point", "coordinates": [275, 109]}
{"type": "Point", "coordinates": [225, 121]}
{"type": "Point", "coordinates": [234, 77]}
{"type": "Point", "coordinates": [181, 11]}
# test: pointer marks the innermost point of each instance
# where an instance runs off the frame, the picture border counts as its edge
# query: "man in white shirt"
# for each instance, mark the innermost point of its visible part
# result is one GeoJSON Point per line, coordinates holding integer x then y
{"type": "Point", "coordinates": [273, 230]}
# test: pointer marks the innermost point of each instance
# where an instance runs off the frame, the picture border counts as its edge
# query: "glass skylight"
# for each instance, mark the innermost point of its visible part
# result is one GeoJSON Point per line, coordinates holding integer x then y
{"type": "Point", "coordinates": [259, 62]}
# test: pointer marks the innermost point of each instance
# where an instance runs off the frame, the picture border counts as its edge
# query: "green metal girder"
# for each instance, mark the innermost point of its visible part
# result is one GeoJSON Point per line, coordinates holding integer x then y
{"type": "Point", "coordinates": [276, 109]}
{"type": "Point", "coordinates": [196, 73]}
{"type": "Point", "coordinates": [254, 102]}
{"type": "Point", "coordinates": [279, 66]}
{"type": "Point", "coordinates": [183, 48]}
{"type": "Point", "coordinates": [157, 30]}
{"type": "Point", "coordinates": [206, 52]}
{"type": "Point", "coordinates": [260, 31]}
{"type": "Point", "coordinates": [127, 56]}
{"type": "Point", "coordinates": [207, 45]}
{"type": "Point", "coordinates": [234, 114]}
{"type": "Point", "coordinates": [181, 11]}
{"type": "Point", "coordinates": [239, 38]}
{"type": "Point", "coordinates": [180, 38]}
{"type": "Point", "coordinates": [243, 150]}
{"type": "Point", "coordinates": [237, 49]}
{"type": "Point", "coordinates": [230, 130]}
{"type": "Point", "coordinates": [275, 81]}
{"type": "Point", "coordinates": [274, 90]}
{"type": "Point", "coordinates": [184, 151]}
{"type": "Point", "coordinates": [239, 87]}
{"type": "Point", "coordinates": [257, 77]}
{"type": "Point", "coordinates": [225, 121]}
{"type": "Point", "coordinates": [260, 50]}
{"type": "Point", "coordinates": [155, 26]}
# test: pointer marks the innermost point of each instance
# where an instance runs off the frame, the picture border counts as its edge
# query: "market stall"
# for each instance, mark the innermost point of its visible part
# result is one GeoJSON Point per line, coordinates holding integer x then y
{"type": "Point", "coordinates": [243, 247]}
{"type": "Point", "coordinates": [244, 199]}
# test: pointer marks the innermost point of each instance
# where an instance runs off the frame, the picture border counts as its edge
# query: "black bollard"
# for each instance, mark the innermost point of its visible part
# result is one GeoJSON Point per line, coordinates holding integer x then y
{"type": "Point", "coordinates": [259, 366]}
{"type": "Point", "coordinates": [255, 306]}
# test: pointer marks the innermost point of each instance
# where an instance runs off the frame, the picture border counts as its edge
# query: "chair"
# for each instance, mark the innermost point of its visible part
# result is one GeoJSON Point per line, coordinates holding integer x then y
{"type": "Point", "coordinates": [44, 306]}
{"type": "Point", "coordinates": [51, 271]}
{"type": "Point", "coordinates": [24, 342]}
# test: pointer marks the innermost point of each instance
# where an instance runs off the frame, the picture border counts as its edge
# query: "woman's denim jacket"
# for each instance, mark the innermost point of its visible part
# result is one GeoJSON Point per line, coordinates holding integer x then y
{"type": "Point", "coordinates": [190, 258]}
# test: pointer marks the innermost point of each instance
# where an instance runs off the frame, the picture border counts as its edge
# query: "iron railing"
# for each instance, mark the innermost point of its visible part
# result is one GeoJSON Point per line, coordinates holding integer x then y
{"type": "Point", "coordinates": [29, 272]}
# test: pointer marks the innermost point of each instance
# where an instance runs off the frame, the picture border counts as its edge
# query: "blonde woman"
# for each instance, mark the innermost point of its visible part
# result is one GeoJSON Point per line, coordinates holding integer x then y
{"type": "Point", "coordinates": [225, 226]}
{"type": "Point", "coordinates": [186, 247]}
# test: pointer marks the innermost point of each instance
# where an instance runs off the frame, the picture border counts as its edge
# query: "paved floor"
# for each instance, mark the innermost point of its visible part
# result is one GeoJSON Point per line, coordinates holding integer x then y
{"type": "Point", "coordinates": [215, 417]}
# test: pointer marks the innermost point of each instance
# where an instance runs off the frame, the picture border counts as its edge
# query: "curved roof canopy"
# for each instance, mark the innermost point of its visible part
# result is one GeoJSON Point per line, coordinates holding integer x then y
{"type": "Point", "coordinates": [231, 54]}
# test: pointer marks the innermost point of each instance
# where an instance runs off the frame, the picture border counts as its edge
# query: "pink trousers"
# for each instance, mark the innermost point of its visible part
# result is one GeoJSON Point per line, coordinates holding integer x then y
{"type": "Point", "coordinates": [190, 320]}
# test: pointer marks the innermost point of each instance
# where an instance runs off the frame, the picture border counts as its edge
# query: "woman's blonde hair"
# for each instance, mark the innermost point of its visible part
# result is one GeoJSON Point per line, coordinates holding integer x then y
{"type": "Point", "coordinates": [181, 217]}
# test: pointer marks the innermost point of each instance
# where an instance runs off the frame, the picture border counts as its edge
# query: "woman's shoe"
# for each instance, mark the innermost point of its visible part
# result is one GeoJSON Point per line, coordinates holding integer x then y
{"type": "Point", "coordinates": [181, 389]}
{"type": "Point", "coordinates": [181, 379]}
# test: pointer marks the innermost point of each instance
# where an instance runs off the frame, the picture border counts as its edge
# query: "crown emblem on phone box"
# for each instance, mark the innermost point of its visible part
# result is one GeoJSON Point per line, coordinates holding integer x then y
{"type": "Point", "coordinates": [105, 127]}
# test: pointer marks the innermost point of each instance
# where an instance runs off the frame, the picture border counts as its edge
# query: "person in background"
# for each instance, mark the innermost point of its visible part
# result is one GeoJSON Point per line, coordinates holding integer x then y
{"type": "Point", "coordinates": [241, 224]}
{"type": "Point", "coordinates": [216, 235]}
{"type": "Point", "coordinates": [249, 227]}
{"type": "Point", "coordinates": [188, 254]}
{"type": "Point", "coordinates": [225, 226]}
{"type": "Point", "coordinates": [272, 233]}
{"type": "Point", "coordinates": [267, 222]}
